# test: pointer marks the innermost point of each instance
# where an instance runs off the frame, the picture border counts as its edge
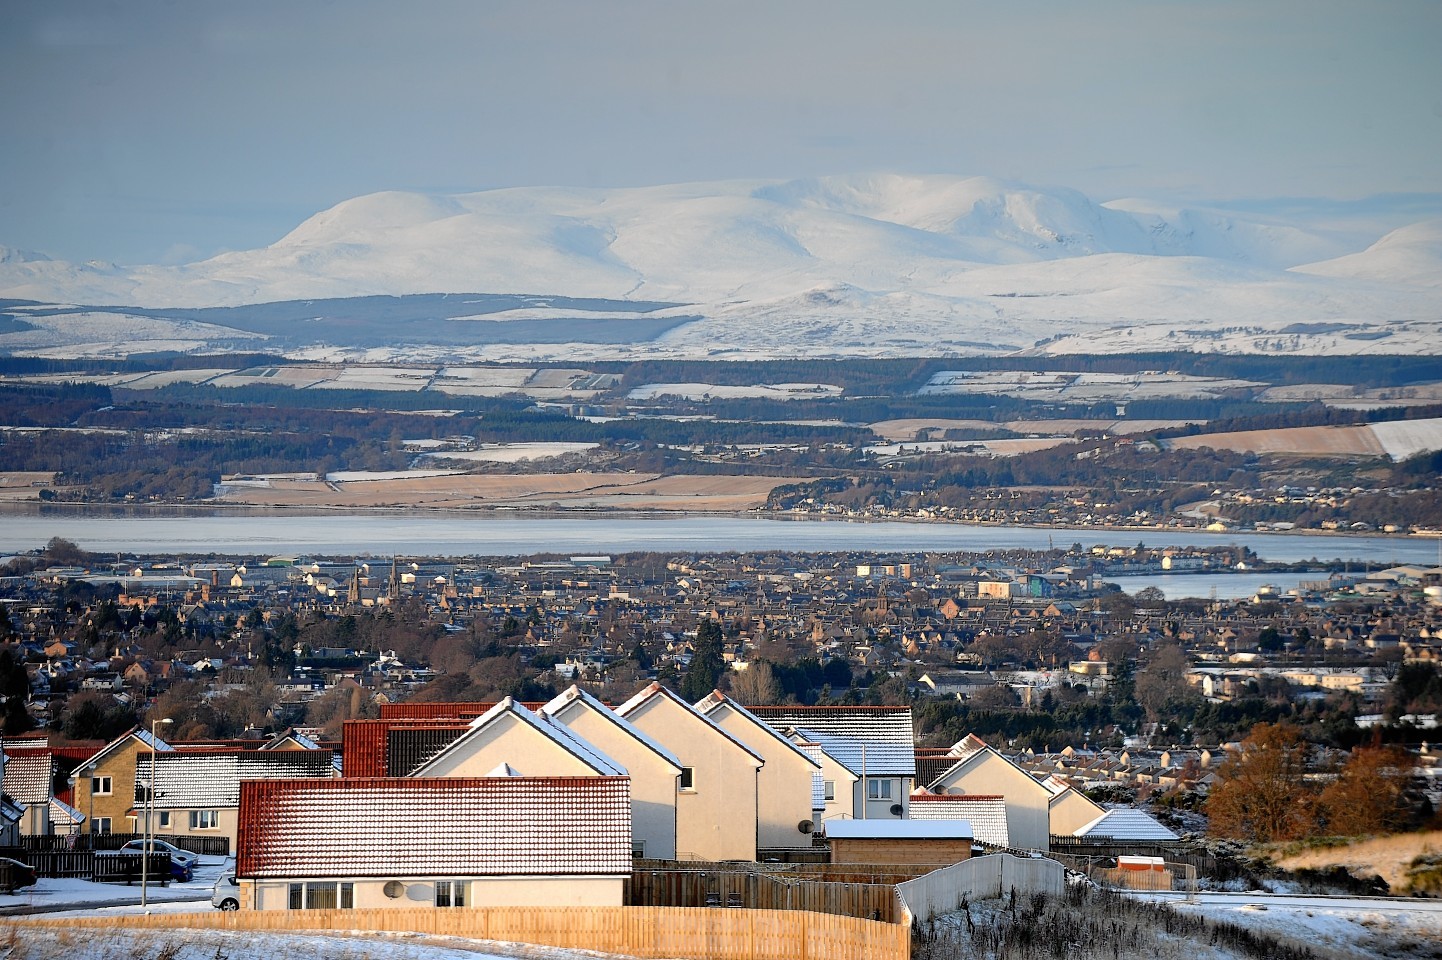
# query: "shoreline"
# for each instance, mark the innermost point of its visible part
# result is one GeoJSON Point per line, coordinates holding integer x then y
{"type": "Point", "coordinates": [215, 509]}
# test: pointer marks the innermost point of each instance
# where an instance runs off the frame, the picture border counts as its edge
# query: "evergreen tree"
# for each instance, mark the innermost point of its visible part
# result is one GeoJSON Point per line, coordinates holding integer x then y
{"type": "Point", "coordinates": [707, 663]}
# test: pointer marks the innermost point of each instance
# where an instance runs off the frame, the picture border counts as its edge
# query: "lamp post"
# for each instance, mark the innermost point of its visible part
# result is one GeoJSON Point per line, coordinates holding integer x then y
{"type": "Point", "coordinates": [145, 849]}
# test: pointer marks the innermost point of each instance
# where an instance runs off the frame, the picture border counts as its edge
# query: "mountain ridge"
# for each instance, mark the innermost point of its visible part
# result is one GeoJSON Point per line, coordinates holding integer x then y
{"type": "Point", "coordinates": [922, 262]}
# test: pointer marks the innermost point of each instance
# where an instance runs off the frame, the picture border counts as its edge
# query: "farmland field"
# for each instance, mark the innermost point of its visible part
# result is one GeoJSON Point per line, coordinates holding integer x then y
{"type": "Point", "coordinates": [630, 491]}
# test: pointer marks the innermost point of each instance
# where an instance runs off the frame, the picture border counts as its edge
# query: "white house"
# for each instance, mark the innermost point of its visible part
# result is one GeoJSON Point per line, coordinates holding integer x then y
{"type": "Point", "coordinates": [654, 770]}
{"type": "Point", "coordinates": [716, 803]}
{"type": "Point", "coordinates": [785, 785]}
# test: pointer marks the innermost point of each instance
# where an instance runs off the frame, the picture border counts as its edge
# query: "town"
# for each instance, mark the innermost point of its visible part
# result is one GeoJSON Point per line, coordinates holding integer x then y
{"type": "Point", "coordinates": [640, 716]}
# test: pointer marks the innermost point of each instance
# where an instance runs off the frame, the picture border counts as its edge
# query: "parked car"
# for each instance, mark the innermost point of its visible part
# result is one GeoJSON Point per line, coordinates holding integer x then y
{"type": "Point", "coordinates": [226, 892]}
{"type": "Point", "coordinates": [14, 875]}
{"type": "Point", "coordinates": [163, 846]}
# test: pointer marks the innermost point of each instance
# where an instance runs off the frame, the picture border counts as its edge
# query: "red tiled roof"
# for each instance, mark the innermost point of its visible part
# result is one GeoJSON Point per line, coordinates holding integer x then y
{"type": "Point", "coordinates": [435, 827]}
{"type": "Point", "coordinates": [364, 742]}
{"type": "Point", "coordinates": [442, 711]}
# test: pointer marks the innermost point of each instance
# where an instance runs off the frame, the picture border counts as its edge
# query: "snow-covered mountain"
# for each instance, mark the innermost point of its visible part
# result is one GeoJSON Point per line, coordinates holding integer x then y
{"type": "Point", "coordinates": [856, 264]}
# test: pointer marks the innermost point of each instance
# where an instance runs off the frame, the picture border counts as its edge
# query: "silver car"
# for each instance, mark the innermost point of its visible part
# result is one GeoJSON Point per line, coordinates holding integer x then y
{"type": "Point", "coordinates": [226, 892]}
{"type": "Point", "coordinates": [180, 856]}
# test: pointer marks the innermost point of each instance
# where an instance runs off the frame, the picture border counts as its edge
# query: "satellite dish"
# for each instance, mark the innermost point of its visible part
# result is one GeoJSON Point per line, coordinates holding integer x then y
{"type": "Point", "coordinates": [394, 889]}
{"type": "Point", "coordinates": [806, 826]}
{"type": "Point", "coordinates": [896, 809]}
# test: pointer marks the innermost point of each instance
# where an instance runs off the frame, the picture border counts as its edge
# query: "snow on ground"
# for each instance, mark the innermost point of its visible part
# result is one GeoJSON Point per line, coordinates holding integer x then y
{"type": "Point", "coordinates": [1406, 438]}
{"type": "Point", "coordinates": [513, 452]}
{"type": "Point", "coordinates": [1361, 927]}
{"type": "Point", "coordinates": [361, 476]}
{"type": "Point", "coordinates": [712, 391]}
{"type": "Point", "coordinates": [38, 943]}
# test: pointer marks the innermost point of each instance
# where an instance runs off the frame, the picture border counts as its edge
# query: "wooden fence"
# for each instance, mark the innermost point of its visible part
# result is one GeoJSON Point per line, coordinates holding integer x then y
{"type": "Point", "coordinates": [205, 846]}
{"type": "Point", "coordinates": [864, 891]}
{"type": "Point", "coordinates": [112, 868]}
{"type": "Point", "coordinates": [646, 932]}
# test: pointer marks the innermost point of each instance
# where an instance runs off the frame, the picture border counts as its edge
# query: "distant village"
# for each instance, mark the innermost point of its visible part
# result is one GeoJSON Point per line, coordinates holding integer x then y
{"type": "Point", "coordinates": [653, 709]}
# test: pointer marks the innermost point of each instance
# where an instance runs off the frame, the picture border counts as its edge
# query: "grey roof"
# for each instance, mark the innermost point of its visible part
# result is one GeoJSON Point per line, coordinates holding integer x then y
{"type": "Point", "coordinates": [206, 780]}
{"type": "Point", "coordinates": [1127, 823]}
{"type": "Point", "coordinates": [863, 757]}
{"type": "Point", "coordinates": [897, 829]}
{"type": "Point", "coordinates": [885, 733]}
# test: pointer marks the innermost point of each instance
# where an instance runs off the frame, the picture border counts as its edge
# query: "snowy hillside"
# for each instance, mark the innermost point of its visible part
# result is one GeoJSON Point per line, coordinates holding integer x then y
{"type": "Point", "coordinates": [879, 264]}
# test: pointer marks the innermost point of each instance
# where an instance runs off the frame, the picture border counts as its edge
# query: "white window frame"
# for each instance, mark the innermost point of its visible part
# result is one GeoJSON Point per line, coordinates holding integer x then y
{"type": "Point", "coordinates": [304, 896]}
{"type": "Point", "coordinates": [878, 789]}
{"type": "Point", "coordinates": [162, 820]}
{"type": "Point", "coordinates": [205, 819]}
{"type": "Point", "coordinates": [100, 825]}
{"type": "Point", "coordinates": [450, 893]}
{"type": "Point", "coordinates": [828, 789]}
{"type": "Point", "coordinates": [687, 780]}
{"type": "Point", "coordinates": [102, 786]}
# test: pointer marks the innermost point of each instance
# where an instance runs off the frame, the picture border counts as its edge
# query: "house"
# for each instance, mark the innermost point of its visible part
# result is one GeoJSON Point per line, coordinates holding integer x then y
{"type": "Point", "coordinates": [716, 801]}
{"type": "Point", "coordinates": [1069, 809]}
{"type": "Point", "coordinates": [981, 770]}
{"type": "Point", "coordinates": [833, 793]}
{"type": "Point", "coordinates": [104, 785]}
{"type": "Point", "coordinates": [785, 785]}
{"type": "Point", "coordinates": [451, 842]}
{"type": "Point", "coordinates": [28, 779]}
{"type": "Point", "coordinates": [197, 792]}
{"type": "Point", "coordinates": [876, 744]}
{"type": "Point", "coordinates": [928, 842]}
{"type": "Point", "coordinates": [655, 771]}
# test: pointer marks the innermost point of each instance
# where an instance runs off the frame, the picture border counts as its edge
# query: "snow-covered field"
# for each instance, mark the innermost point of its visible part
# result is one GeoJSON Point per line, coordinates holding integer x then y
{"type": "Point", "coordinates": [513, 452]}
{"type": "Point", "coordinates": [712, 391]}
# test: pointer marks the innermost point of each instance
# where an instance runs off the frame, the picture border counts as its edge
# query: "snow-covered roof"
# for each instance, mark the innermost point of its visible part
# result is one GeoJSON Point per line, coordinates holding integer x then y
{"type": "Point", "coordinates": [897, 829]}
{"type": "Point", "coordinates": [715, 700]}
{"type": "Point", "coordinates": [209, 780]}
{"type": "Point", "coordinates": [863, 757]}
{"type": "Point", "coordinates": [62, 812]}
{"type": "Point", "coordinates": [881, 736]}
{"type": "Point", "coordinates": [553, 730]}
{"type": "Point", "coordinates": [1127, 823]}
{"type": "Point", "coordinates": [435, 827]}
{"type": "Point", "coordinates": [574, 694]}
{"type": "Point", "coordinates": [28, 776]}
{"type": "Point", "coordinates": [986, 814]}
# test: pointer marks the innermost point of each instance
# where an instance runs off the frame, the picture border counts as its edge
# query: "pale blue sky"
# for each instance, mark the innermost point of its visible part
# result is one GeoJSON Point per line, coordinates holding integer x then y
{"type": "Point", "coordinates": [141, 130]}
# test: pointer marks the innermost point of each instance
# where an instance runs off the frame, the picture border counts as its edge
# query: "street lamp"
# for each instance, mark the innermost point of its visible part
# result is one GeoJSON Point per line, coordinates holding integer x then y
{"type": "Point", "coordinates": [145, 850]}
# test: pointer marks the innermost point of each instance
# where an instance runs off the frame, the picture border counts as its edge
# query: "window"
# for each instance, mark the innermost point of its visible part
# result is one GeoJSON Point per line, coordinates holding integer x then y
{"type": "Point", "coordinates": [878, 789]}
{"type": "Point", "coordinates": [638, 849]}
{"type": "Point", "coordinates": [163, 820]}
{"type": "Point", "coordinates": [830, 789]}
{"type": "Point", "coordinates": [450, 893]}
{"type": "Point", "coordinates": [100, 825]}
{"type": "Point", "coordinates": [100, 786]}
{"type": "Point", "coordinates": [322, 896]}
{"type": "Point", "coordinates": [688, 778]}
{"type": "Point", "coordinates": [204, 819]}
